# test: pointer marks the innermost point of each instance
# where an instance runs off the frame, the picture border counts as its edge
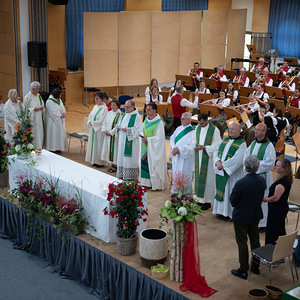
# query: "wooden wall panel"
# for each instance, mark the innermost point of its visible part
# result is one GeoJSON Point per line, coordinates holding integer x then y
{"type": "Point", "coordinates": [7, 43]}
{"type": "Point", "coordinates": [236, 34]}
{"type": "Point", "coordinates": [134, 48]}
{"type": "Point", "coordinates": [7, 48]}
{"type": "Point", "coordinates": [100, 49]}
{"type": "Point", "coordinates": [190, 40]}
{"type": "Point", "coordinates": [165, 45]}
{"type": "Point", "coordinates": [219, 4]}
{"type": "Point", "coordinates": [143, 5]}
{"type": "Point", "coordinates": [260, 19]}
{"type": "Point", "coordinates": [56, 24]}
{"type": "Point", "coordinates": [214, 37]}
{"type": "Point", "coordinates": [7, 64]}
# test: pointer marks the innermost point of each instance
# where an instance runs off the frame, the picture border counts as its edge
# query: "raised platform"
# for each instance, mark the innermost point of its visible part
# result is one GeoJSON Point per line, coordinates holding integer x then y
{"type": "Point", "coordinates": [97, 272]}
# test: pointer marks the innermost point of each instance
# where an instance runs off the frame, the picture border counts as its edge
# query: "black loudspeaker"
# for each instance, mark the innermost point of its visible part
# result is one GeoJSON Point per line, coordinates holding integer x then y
{"type": "Point", "coordinates": [58, 2]}
{"type": "Point", "coordinates": [37, 54]}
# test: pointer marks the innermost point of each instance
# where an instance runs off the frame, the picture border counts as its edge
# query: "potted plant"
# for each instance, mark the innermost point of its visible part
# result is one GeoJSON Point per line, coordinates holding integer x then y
{"type": "Point", "coordinates": [46, 196]}
{"type": "Point", "coordinates": [22, 143]}
{"type": "Point", "coordinates": [71, 215]}
{"type": "Point", "coordinates": [125, 203]}
{"type": "Point", "coordinates": [4, 151]}
{"type": "Point", "coordinates": [25, 192]}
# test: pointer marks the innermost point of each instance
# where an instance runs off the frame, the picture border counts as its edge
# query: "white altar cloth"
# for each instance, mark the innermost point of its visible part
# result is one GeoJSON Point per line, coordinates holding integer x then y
{"type": "Point", "coordinates": [72, 175]}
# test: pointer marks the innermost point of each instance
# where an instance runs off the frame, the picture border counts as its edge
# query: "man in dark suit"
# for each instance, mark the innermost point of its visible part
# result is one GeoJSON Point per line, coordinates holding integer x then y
{"type": "Point", "coordinates": [246, 199]}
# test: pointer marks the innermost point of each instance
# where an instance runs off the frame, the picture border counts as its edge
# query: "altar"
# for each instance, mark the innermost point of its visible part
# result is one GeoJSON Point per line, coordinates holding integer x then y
{"type": "Point", "coordinates": [74, 178]}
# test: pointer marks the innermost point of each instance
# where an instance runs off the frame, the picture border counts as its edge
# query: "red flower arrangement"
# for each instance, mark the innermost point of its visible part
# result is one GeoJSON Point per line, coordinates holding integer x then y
{"type": "Point", "coordinates": [125, 203]}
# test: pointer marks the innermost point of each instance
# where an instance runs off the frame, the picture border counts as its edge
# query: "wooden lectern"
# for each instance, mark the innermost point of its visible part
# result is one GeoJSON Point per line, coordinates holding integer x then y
{"type": "Point", "coordinates": [186, 80]}
{"type": "Point", "coordinates": [232, 113]}
{"type": "Point", "coordinates": [279, 103]}
{"type": "Point", "coordinates": [246, 91]}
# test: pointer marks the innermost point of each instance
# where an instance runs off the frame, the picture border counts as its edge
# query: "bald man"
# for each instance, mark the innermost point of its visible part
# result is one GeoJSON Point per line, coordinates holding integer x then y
{"type": "Point", "coordinates": [228, 164]}
{"type": "Point", "coordinates": [265, 152]}
{"type": "Point", "coordinates": [129, 128]}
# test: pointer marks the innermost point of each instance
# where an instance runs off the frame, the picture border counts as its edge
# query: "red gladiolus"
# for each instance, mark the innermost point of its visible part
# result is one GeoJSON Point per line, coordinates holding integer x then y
{"type": "Point", "coordinates": [145, 220]}
{"type": "Point", "coordinates": [137, 223]}
{"type": "Point", "coordinates": [125, 196]}
{"type": "Point", "coordinates": [120, 218]}
{"type": "Point", "coordinates": [123, 188]}
{"type": "Point", "coordinates": [132, 195]}
{"type": "Point", "coordinates": [141, 204]}
{"type": "Point", "coordinates": [126, 224]}
{"type": "Point", "coordinates": [121, 198]}
{"type": "Point", "coordinates": [118, 200]}
{"type": "Point", "coordinates": [119, 185]}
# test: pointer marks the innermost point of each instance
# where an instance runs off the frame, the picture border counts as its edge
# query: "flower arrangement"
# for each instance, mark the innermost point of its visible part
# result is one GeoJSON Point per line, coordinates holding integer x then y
{"type": "Point", "coordinates": [25, 191]}
{"type": "Point", "coordinates": [40, 195]}
{"type": "Point", "coordinates": [4, 151]}
{"type": "Point", "coordinates": [183, 205]}
{"type": "Point", "coordinates": [23, 136]}
{"type": "Point", "coordinates": [125, 203]}
{"type": "Point", "coordinates": [71, 212]}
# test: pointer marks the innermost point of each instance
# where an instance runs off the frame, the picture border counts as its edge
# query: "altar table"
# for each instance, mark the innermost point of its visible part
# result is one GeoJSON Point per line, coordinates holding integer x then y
{"type": "Point", "coordinates": [75, 178]}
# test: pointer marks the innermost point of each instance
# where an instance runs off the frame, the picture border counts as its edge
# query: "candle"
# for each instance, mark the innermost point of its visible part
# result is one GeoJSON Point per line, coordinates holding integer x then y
{"type": "Point", "coordinates": [33, 155]}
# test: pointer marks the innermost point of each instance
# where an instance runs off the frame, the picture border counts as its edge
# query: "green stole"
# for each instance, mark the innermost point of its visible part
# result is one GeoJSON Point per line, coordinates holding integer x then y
{"type": "Point", "coordinates": [200, 179]}
{"type": "Point", "coordinates": [40, 98]}
{"type": "Point", "coordinates": [183, 132]}
{"type": "Point", "coordinates": [149, 130]}
{"type": "Point", "coordinates": [128, 144]}
{"type": "Point", "coordinates": [55, 101]}
{"type": "Point", "coordinates": [221, 181]}
{"type": "Point", "coordinates": [112, 138]}
{"type": "Point", "coordinates": [93, 132]}
{"type": "Point", "coordinates": [260, 155]}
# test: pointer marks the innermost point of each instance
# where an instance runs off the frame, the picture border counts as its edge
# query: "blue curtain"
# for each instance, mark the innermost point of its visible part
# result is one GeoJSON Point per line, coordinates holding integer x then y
{"type": "Point", "coordinates": [284, 24]}
{"type": "Point", "coordinates": [74, 24]}
{"type": "Point", "coordinates": [175, 5]}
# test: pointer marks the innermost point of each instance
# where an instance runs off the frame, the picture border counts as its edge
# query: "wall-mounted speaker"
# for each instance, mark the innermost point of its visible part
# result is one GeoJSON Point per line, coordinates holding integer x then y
{"type": "Point", "coordinates": [37, 54]}
{"type": "Point", "coordinates": [58, 2]}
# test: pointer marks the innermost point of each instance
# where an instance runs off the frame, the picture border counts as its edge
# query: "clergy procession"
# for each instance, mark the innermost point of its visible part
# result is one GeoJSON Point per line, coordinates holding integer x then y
{"type": "Point", "coordinates": [213, 154]}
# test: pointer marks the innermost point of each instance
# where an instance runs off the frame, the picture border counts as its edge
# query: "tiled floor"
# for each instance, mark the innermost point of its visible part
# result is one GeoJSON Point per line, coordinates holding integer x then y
{"type": "Point", "coordinates": [217, 246]}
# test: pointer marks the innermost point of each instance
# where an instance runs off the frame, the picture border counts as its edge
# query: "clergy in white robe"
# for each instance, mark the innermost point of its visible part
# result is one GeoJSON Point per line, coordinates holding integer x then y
{"type": "Point", "coordinates": [111, 139]}
{"type": "Point", "coordinates": [228, 164]}
{"type": "Point", "coordinates": [153, 151]}
{"type": "Point", "coordinates": [96, 137]}
{"type": "Point", "coordinates": [12, 109]}
{"type": "Point", "coordinates": [182, 152]}
{"type": "Point", "coordinates": [129, 147]}
{"type": "Point", "coordinates": [265, 152]}
{"type": "Point", "coordinates": [34, 103]}
{"type": "Point", "coordinates": [56, 137]}
{"type": "Point", "coordinates": [206, 138]}
{"type": "Point", "coordinates": [1, 109]}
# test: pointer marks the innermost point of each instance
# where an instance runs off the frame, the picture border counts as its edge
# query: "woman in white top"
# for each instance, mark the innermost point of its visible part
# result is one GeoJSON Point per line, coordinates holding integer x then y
{"type": "Point", "coordinates": [56, 136]}
{"type": "Point", "coordinates": [260, 95]}
{"type": "Point", "coordinates": [202, 88]}
{"type": "Point", "coordinates": [154, 96]}
{"type": "Point", "coordinates": [178, 82]}
{"type": "Point", "coordinates": [269, 112]}
{"type": "Point", "coordinates": [232, 92]}
{"type": "Point", "coordinates": [11, 113]}
{"type": "Point", "coordinates": [153, 81]}
{"type": "Point", "coordinates": [110, 144]}
{"type": "Point", "coordinates": [220, 103]}
{"type": "Point", "coordinates": [96, 136]}
{"type": "Point", "coordinates": [252, 109]}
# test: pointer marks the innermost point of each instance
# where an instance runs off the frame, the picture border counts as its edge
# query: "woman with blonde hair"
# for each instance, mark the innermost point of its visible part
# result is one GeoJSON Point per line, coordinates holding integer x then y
{"type": "Point", "coordinates": [278, 201]}
{"type": "Point", "coordinates": [11, 113]}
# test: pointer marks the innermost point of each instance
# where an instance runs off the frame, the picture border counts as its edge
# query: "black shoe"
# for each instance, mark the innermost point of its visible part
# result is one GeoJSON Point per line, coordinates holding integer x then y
{"type": "Point", "coordinates": [206, 206]}
{"type": "Point", "coordinates": [239, 273]}
{"type": "Point", "coordinates": [255, 270]}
